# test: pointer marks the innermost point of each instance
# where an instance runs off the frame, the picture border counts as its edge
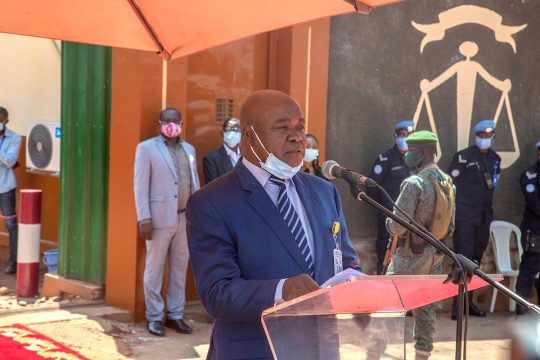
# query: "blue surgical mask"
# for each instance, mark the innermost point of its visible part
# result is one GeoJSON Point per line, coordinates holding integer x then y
{"type": "Point", "coordinates": [401, 142]}
{"type": "Point", "coordinates": [483, 143]}
{"type": "Point", "coordinates": [311, 155]}
{"type": "Point", "coordinates": [274, 165]}
{"type": "Point", "coordinates": [231, 138]}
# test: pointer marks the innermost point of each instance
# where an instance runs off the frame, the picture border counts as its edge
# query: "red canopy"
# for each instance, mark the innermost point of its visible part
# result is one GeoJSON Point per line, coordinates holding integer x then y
{"type": "Point", "coordinates": [173, 28]}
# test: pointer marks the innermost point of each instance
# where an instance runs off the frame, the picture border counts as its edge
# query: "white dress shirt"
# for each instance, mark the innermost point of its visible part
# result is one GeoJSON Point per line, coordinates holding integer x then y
{"type": "Point", "coordinates": [234, 156]}
{"type": "Point", "coordinates": [272, 190]}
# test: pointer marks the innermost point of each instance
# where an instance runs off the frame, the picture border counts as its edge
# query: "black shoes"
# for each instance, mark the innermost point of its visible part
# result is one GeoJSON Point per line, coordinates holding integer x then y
{"type": "Point", "coordinates": [473, 311]}
{"type": "Point", "coordinates": [11, 268]}
{"type": "Point", "coordinates": [476, 311]}
{"type": "Point", "coordinates": [179, 325]}
{"type": "Point", "coordinates": [155, 328]}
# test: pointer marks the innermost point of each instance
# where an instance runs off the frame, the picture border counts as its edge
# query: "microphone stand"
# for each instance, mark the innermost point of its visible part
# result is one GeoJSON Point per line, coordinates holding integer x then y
{"type": "Point", "coordinates": [468, 265]}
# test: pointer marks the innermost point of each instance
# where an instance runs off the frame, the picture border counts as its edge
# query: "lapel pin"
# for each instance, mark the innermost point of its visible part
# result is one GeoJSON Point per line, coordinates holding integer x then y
{"type": "Point", "coordinates": [335, 228]}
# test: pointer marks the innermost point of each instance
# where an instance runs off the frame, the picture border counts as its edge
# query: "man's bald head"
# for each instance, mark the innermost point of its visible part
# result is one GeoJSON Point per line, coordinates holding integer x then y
{"type": "Point", "coordinates": [277, 120]}
{"type": "Point", "coordinates": [261, 104]}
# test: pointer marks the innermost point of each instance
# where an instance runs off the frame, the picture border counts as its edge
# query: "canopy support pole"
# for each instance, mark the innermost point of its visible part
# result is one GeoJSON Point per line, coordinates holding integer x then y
{"type": "Point", "coordinates": [161, 49]}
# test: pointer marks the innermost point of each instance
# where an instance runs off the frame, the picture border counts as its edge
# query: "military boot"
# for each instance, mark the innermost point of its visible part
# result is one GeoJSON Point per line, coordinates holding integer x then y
{"type": "Point", "coordinates": [422, 355]}
{"type": "Point", "coordinates": [473, 309]}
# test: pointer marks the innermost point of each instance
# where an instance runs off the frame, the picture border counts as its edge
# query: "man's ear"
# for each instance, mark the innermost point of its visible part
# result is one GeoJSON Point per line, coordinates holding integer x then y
{"type": "Point", "coordinates": [247, 134]}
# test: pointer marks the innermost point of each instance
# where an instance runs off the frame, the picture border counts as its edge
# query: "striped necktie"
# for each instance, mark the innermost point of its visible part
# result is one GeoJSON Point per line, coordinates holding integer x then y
{"type": "Point", "coordinates": [293, 222]}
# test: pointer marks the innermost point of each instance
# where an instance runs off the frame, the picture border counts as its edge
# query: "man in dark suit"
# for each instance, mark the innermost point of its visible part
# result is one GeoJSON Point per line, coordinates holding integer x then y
{"type": "Point", "coordinates": [262, 233]}
{"type": "Point", "coordinates": [223, 159]}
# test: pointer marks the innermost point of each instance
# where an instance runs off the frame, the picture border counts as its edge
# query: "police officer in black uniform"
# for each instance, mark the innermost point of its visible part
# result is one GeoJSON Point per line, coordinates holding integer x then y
{"type": "Point", "coordinates": [530, 232]}
{"type": "Point", "coordinates": [475, 171]}
{"type": "Point", "coordinates": [389, 171]}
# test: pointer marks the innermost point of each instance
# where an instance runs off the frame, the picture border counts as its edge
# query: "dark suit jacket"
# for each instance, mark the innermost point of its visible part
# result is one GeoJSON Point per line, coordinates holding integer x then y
{"type": "Point", "coordinates": [240, 248]}
{"type": "Point", "coordinates": [216, 164]}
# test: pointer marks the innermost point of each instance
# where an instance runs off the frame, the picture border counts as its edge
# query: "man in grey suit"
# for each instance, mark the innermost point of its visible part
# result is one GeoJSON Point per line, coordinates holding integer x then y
{"type": "Point", "coordinates": [165, 177]}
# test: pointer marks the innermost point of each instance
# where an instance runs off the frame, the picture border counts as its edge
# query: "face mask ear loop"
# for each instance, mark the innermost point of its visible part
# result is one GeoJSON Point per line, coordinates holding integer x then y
{"type": "Point", "coordinates": [254, 153]}
{"type": "Point", "coordinates": [260, 142]}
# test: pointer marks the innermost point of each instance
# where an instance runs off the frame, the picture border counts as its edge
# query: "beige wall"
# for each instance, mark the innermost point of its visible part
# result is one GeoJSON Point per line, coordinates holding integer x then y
{"type": "Point", "coordinates": [30, 86]}
{"type": "Point", "coordinates": [30, 90]}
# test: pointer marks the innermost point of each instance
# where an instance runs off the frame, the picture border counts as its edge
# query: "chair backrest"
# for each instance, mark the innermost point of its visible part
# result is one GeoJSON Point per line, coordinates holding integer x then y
{"type": "Point", "coordinates": [501, 233]}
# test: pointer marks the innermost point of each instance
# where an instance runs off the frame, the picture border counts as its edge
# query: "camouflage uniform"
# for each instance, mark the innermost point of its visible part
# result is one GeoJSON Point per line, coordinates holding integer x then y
{"type": "Point", "coordinates": [415, 256]}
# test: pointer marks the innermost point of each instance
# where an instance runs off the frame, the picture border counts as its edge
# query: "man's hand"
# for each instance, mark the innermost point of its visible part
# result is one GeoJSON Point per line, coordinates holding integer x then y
{"type": "Point", "coordinates": [145, 230]}
{"type": "Point", "coordinates": [455, 276]}
{"type": "Point", "coordinates": [298, 286]}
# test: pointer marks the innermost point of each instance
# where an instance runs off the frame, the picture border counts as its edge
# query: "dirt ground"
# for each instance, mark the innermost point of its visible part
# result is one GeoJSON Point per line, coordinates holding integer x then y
{"type": "Point", "coordinates": [98, 331]}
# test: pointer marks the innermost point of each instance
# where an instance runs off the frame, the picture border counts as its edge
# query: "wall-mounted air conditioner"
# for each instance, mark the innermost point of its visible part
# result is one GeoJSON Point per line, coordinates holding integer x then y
{"type": "Point", "coordinates": [43, 146]}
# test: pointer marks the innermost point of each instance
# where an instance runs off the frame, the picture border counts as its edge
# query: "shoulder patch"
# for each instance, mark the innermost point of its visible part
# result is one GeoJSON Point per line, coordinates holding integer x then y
{"type": "Point", "coordinates": [455, 173]}
{"type": "Point", "coordinates": [530, 175]}
{"type": "Point", "coordinates": [530, 188]}
{"type": "Point", "coordinates": [377, 169]}
{"type": "Point", "coordinates": [382, 158]}
{"type": "Point", "coordinates": [462, 160]}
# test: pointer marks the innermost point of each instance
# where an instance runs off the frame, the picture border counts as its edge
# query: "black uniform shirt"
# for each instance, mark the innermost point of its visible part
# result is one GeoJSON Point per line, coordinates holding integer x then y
{"type": "Point", "coordinates": [529, 186]}
{"type": "Point", "coordinates": [471, 170]}
{"type": "Point", "coordinates": [389, 171]}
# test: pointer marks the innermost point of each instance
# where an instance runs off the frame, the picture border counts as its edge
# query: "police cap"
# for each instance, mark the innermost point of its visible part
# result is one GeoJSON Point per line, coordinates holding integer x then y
{"type": "Point", "coordinates": [406, 125]}
{"type": "Point", "coordinates": [485, 126]}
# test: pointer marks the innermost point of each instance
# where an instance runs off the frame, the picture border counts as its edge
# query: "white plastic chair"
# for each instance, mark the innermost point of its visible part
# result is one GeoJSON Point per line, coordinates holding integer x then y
{"type": "Point", "coordinates": [501, 233]}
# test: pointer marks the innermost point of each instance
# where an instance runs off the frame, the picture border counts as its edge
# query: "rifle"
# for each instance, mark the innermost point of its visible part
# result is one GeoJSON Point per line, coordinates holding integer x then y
{"type": "Point", "coordinates": [390, 251]}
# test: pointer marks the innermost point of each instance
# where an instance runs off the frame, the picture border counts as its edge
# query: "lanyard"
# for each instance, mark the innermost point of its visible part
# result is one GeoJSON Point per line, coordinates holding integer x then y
{"type": "Point", "coordinates": [2, 141]}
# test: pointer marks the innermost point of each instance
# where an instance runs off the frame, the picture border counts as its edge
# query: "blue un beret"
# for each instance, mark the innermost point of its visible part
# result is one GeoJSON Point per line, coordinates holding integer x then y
{"type": "Point", "coordinates": [405, 124]}
{"type": "Point", "coordinates": [538, 144]}
{"type": "Point", "coordinates": [485, 126]}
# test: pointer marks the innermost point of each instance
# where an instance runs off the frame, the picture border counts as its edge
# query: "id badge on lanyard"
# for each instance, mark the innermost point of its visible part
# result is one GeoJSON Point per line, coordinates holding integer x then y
{"type": "Point", "coordinates": [338, 255]}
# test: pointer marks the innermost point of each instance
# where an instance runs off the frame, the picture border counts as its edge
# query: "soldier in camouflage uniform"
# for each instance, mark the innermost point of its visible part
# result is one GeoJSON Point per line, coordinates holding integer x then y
{"type": "Point", "coordinates": [413, 255]}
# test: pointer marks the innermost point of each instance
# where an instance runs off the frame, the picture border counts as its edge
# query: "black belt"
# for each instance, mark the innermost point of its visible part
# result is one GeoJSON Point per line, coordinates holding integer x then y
{"type": "Point", "coordinates": [181, 211]}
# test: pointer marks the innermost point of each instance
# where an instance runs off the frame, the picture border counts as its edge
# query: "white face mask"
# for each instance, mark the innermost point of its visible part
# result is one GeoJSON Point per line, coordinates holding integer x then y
{"type": "Point", "coordinates": [311, 155]}
{"type": "Point", "coordinates": [231, 138]}
{"type": "Point", "coordinates": [274, 165]}
{"type": "Point", "coordinates": [2, 126]}
{"type": "Point", "coordinates": [483, 143]}
{"type": "Point", "coordinates": [401, 142]}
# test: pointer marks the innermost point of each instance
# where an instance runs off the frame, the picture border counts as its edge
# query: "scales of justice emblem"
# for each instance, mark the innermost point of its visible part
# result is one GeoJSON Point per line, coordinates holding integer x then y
{"type": "Point", "coordinates": [467, 70]}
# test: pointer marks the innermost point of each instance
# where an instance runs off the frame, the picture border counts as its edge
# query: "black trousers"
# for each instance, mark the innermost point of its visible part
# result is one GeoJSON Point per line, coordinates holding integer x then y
{"type": "Point", "coordinates": [528, 269]}
{"type": "Point", "coordinates": [7, 206]}
{"type": "Point", "coordinates": [471, 240]}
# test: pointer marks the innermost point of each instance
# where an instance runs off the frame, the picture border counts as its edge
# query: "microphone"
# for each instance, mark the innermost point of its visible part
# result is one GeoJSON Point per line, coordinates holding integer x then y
{"type": "Point", "coordinates": [331, 170]}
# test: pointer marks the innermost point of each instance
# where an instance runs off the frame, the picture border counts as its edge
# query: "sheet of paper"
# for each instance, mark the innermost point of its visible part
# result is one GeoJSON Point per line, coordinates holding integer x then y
{"type": "Point", "coordinates": [342, 276]}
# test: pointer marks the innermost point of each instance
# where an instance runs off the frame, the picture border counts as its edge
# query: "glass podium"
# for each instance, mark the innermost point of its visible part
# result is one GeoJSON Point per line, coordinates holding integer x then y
{"type": "Point", "coordinates": [361, 318]}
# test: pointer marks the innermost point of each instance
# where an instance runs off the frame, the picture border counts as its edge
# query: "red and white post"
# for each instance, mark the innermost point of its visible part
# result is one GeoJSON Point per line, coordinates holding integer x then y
{"type": "Point", "coordinates": [28, 243]}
